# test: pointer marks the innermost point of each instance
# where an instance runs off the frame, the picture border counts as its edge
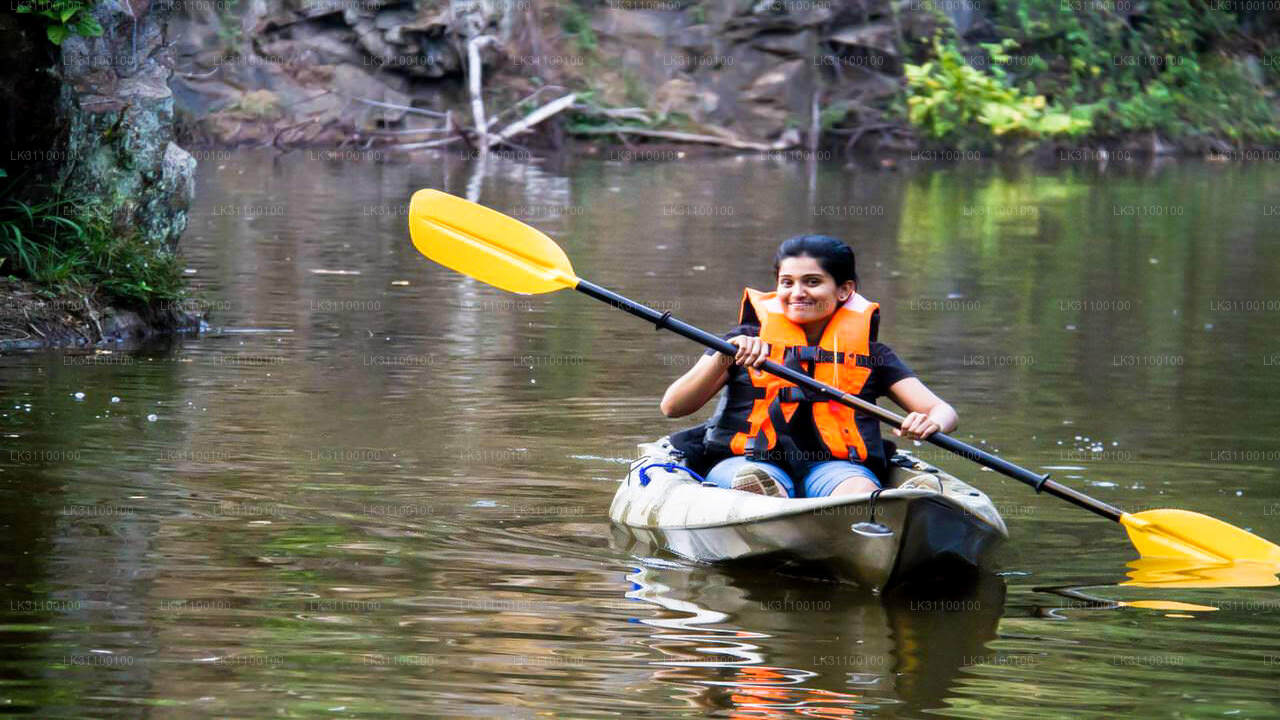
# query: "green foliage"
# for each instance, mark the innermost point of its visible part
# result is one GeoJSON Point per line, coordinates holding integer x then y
{"type": "Point", "coordinates": [1101, 68]}
{"type": "Point", "coordinates": [1160, 66]}
{"type": "Point", "coordinates": [63, 18]}
{"type": "Point", "coordinates": [70, 242]}
{"type": "Point", "coordinates": [230, 32]}
{"type": "Point", "coordinates": [635, 88]}
{"type": "Point", "coordinates": [948, 99]}
{"type": "Point", "coordinates": [832, 115]}
{"type": "Point", "coordinates": [576, 22]}
{"type": "Point", "coordinates": [1217, 98]}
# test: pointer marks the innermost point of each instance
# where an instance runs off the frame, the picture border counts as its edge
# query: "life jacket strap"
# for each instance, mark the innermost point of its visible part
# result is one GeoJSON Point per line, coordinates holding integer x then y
{"type": "Point", "coordinates": [787, 453]}
{"type": "Point", "coordinates": [815, 354]}
{"type": "Point", "coordinates": [791, 393]}
{"type": "Point", "coordinates": [802, 360]}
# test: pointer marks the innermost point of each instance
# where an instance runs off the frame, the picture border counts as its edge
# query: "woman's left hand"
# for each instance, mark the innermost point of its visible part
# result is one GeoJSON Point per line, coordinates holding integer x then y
{"type": "Point", "coordinates": [916, 426]}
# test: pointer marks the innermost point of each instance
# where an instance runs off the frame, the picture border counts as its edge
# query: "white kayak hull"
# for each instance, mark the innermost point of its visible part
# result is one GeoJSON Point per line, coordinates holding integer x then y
{"type": "Point", "coordinates": [933, 521]}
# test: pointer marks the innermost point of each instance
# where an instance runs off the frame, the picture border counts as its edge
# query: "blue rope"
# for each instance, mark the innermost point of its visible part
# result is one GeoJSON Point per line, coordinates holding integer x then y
{"type": "Point", "coordinates": [673, 467]}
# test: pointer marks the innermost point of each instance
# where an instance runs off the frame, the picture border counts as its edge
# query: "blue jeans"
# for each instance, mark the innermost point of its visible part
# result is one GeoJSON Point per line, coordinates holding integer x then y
{"type": "Point", "coordinates": [823, 477]}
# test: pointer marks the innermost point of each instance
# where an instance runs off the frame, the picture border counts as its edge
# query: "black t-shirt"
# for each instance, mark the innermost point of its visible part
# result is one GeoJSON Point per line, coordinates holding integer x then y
{"type": "Point", "coordinates": [886, 369]}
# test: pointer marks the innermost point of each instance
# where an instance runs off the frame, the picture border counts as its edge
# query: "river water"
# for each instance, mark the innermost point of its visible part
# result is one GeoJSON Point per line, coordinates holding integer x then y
{"type": "Point", "coordinates": [377, 488]}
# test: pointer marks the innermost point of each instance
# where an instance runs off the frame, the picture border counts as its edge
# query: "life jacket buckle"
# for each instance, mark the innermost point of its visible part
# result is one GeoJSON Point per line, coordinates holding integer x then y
{"type": "Point", "coordinates": [791, 394]}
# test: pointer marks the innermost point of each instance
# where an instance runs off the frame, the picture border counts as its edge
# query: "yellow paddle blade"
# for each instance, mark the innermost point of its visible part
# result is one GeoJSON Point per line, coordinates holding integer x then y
{"type": "Point", "coordinates": [1191, 536]}
{"type": "Point", "coordinates": [1183, 573]}
{"type": "Point", "coordinates": [487, 245]}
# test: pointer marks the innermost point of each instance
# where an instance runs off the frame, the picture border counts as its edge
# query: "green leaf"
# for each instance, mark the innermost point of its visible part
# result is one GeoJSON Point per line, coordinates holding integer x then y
{"type": "Point", "coordinates": [56, 34]}
{"type": "Point", "coordinates": [66, 14]}
{"type": "Point", "coordinates": [89, 27]}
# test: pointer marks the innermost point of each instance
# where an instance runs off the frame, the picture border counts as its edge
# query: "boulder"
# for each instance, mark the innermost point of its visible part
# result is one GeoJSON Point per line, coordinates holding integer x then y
{"type": "Point", "coordinates": [684, 96]}
{"type": "Point", "coordinates": [118, 110]}
{"type": "Point", "coordinates": [776, 98]}
{"type": "Point", "coordinates": [352, 82]}
{"type": "Point", "coordinates": [869, 48]}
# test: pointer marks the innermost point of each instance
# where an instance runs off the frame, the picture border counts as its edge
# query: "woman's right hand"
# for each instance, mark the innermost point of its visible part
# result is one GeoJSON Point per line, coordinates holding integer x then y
{"type": "Point", "coordinates": [752, 351]}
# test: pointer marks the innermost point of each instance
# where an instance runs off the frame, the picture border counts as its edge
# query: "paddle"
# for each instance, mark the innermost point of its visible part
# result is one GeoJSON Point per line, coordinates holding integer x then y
{"type": "Point", "coordinates": [504, 252]}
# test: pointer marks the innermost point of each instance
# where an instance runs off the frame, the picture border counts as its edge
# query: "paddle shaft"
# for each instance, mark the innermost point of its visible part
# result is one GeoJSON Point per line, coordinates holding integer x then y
{"type": "Point", "coordinates": [1041, 483]}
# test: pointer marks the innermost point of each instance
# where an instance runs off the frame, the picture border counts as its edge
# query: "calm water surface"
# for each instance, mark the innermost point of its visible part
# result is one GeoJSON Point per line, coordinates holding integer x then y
{"type": "Point", "coordinates": [380, 489]}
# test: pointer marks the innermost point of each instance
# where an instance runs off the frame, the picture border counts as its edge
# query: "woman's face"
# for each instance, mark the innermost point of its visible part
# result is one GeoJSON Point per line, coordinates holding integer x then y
{"type": "Point", "coordinates": [807, 292]}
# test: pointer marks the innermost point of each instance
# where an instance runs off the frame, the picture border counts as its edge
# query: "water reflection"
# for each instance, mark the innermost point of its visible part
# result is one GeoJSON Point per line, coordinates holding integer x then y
{"type": "Point", "coordinates": [737, 644]}
{"type": "Point", "coordinates": [1181, 573]}
{"type": "Point", "coordinates": [391, 499]}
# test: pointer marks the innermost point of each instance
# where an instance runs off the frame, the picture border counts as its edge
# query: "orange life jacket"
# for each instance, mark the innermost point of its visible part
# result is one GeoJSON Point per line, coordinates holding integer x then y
{"type": "Point", "coordinates": [842, 358]}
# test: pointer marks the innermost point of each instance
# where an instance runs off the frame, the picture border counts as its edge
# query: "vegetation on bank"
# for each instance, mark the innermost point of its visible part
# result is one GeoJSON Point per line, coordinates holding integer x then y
{"type": "Point", "coordinates": [949, 99]}
{"type": "Point", "coordinates": [1195, 73]}
{"type": "Point", "coordinates": [63, 17]}
{"type": "Point", "coordinates": [68, 245]}
{"type": "Point", "coordinates": [1203, 76]}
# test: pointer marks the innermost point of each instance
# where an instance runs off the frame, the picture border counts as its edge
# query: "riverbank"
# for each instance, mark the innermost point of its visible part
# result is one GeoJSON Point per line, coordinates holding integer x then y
{"type": "Point", "coordinates": [93, 192]}
{"type": "Point", "coordinates": [31, 319]}
{"type": "Point", "coordinates": [889, 78]}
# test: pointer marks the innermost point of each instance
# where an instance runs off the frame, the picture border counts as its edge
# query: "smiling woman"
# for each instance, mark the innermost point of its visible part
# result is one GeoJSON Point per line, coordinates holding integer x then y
{"type": "Point", "coordinates": [769, 436]}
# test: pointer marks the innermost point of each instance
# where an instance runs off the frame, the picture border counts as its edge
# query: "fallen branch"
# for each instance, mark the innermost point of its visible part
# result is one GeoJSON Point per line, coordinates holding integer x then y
{"type": "Point", "coordinates": [428, 144]}
{"type": "Point", "coordinates": [815, 124]}
{"type": "Point", "coordinates": [393, 106]}
{"type": "Point", "coordinates": [418, 131]}
{"type": "Point", "coordinates": [529, 120]}
{"type": "Point", "coordinates": [473, 83]}
{"type": "Point", "coordinates": [527, 98]}
{"type": "Point", "coordinates": [674, 136]}
{"type": "Point", "coordinates": [631, 113]}
{"type": "Point", "coordinates": [32, 325]}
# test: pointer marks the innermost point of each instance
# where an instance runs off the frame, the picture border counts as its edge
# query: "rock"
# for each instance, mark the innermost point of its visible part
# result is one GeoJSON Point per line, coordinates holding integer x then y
{"type": "Point", "coordinates": [791, 46]}
{"type": "Point", "coordinates": [352, 82]}
{"type": "Point", "coordinates": [230, 129]}
{"type": "Point", "coordinates": [620, 23]}
{"type": "Point", "coordinates": [776, 16]}
{"type": "Point", "coordinates": [123, 325]}
{"type": "Point", "coordinates": [747, 68]}
{"type": "Point", "coordinates": [683, 95]}
{"type": "Point", "coordinates": [641, 39]}
{"type": "Point", "coordinates": [392, 19]}
{"type": "Point", "coordinates": [198, 98]}
{"type": "Point", "coordinates": [118, 110]}
{"type": "Point", "coordinates": [773, 84]}
{"type": "Point", "coordinates": [306, 44]}
{"type": "Point", "coordinates": [775, 98]}
{"type": "Point", "coordinates": [370, 38]}
{"type": "Point", "coordinates": [611, 87]}
{"type": "Point", "coordinates": [878, 36]}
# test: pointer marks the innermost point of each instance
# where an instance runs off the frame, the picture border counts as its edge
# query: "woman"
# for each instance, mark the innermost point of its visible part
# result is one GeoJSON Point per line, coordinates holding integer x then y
{"type": "Point", "coordinates": [772, 437]}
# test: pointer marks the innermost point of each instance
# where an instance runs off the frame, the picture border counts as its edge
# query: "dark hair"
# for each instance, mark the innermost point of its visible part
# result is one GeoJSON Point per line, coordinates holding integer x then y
{"type": "Point", "coordinates": [832, 254]}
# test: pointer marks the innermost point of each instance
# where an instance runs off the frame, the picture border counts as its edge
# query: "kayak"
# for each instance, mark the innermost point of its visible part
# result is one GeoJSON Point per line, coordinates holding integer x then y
{"type": "Point", "coordinates": [924, 520]}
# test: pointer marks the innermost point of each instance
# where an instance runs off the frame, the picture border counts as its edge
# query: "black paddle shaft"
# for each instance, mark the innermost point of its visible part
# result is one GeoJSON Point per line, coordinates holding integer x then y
{"type": "Point", "coordinates": [1041, 483]}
